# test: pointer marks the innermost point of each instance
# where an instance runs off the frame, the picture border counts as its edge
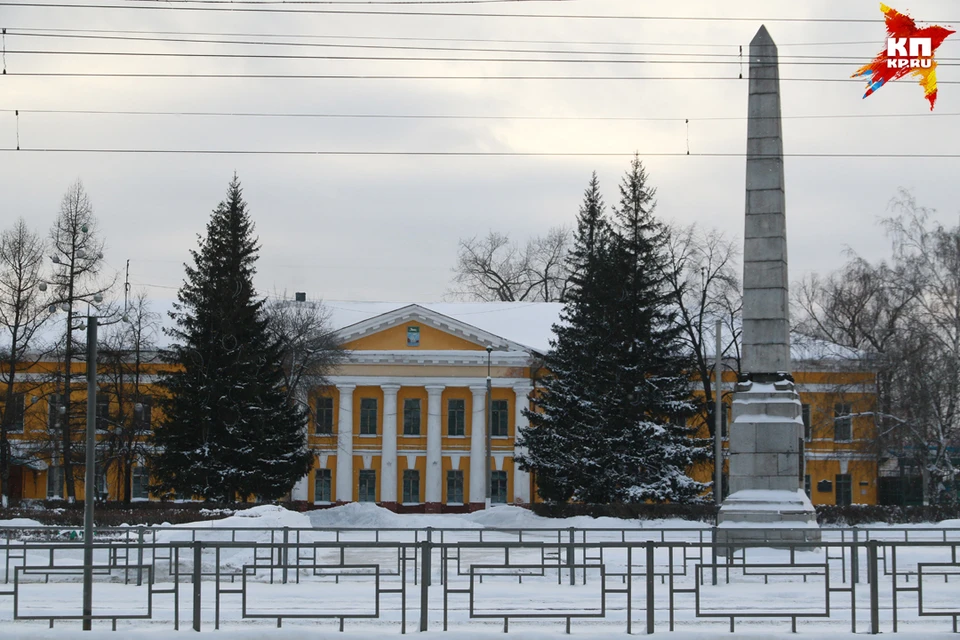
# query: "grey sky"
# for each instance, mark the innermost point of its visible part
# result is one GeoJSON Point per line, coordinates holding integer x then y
{"type": "Point", "coordinates": [386, 228]}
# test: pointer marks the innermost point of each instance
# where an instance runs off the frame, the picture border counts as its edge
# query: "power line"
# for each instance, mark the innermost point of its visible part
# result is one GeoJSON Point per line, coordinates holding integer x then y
{"type": "Point", "coordinates": [434, 116]}
{"type": "Point", "coordinates": [425, 39]}
{"type": "Point", "coordinates": [734, 56]}
{"type": "Point", "coordinates": [449, 14]}
{"type": "Point", "coordinates": [327, 76]}
{"type": "Point", "coordinates": [479, 154]}
{"type": "Point", "coordinates": [290, 56]}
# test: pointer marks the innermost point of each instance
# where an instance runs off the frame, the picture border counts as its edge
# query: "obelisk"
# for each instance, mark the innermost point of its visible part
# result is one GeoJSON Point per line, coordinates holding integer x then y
{"type": "Point", "coordinates": [766, 436]}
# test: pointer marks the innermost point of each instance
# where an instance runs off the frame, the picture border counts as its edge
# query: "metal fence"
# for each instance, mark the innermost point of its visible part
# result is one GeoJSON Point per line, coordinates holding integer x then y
{"type": "Point", "coordinates": [419, 579]}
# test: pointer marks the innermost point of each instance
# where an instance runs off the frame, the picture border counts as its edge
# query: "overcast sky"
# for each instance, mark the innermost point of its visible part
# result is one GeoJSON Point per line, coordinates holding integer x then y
{"type": "Point", "coordinates": [386, 228]}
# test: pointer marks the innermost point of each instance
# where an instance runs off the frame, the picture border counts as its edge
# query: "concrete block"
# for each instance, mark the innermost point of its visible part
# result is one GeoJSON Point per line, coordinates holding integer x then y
{"type": "Point", "coordinates": [779, 439]}
{"type": "Point", "coordinates": [766, 330]}
{"type": "Point", "coordinates": [765, 303]}
{"type": "Point", "coordinates": [765, 225]}
{"type": "Point", "coordinates": [765, 464]}
{"type": "Point", "coordinates": [764, 106]}
{"type": "Point", "coordinates": [764, 173]}
{"type": "Point", "coordinates": [763, 250]}
{"type": "Point", "coordinates": [743, 438]}
{"type": "Point", "coordinates": [788, 464]}
{"type": "Point", "coordinates": [765, 358]}
{"type": "Point", "coordinates": [768, 201]}
{"type": "Point", "coordinates": [765, 147]}
{"type": "Point", "coordinates": [763, 275]}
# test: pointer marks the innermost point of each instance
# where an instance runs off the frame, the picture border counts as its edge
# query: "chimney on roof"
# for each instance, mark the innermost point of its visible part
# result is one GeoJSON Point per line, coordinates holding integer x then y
{"type": "Point", "coordinates": [301, 296]}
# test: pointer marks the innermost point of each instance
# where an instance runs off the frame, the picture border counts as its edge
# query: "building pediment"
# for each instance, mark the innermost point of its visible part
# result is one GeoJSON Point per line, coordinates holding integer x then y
{"type": "Point", "coordinates": [416, 328]}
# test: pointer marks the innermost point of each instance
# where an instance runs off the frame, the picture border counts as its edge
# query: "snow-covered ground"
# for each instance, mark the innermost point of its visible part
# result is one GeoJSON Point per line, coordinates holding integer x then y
{"type": "Point", "coordinates": [332, 589]}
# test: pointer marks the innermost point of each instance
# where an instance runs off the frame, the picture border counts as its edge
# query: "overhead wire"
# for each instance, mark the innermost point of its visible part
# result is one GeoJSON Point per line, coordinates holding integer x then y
{"type": "Point", "coordinates": [479, 154]}
{"type": "Point", "coordinates": [374, 58]}
{"type": "Point", "coordinates": [447, 116]}
{"type": "Point", "coordinates": [244, 34]}
{"type": "Point", "coordinates": [447, 14]}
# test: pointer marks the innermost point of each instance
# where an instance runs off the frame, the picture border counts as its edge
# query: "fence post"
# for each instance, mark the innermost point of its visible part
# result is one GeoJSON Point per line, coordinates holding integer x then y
{"type": "Point", "coordinates": [284, 557]}
{"type": "Point", "coordinates": [855, 558]}
{"type": "Point", "coordinates": [650, 583]}
{"type": "Point", "coordinates": [571, 559]}
{"type": "Point", "coordinates": [197, 579]}
{"type": "Point", "coordinates": [425, 553]}
{"type": "Point", "coordinates": [428, 579]}
{"type": "Point", "coordinates": [874, 586]}
{"type": "Point", "coordinates": [139, 556]}
{"type": "Point", "coordinates": [713, 553]}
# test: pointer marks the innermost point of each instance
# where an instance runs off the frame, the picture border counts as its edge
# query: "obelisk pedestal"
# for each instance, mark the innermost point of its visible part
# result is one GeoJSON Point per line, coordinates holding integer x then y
{"type": "Point", "coordinates": [766, 435]}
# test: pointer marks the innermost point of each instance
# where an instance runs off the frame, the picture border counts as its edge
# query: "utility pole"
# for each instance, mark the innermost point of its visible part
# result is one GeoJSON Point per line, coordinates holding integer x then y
{"type": "Point", "coordinates": [88, 488]}
{"type": "Point", "coordinates": [718, 419]}
{"type": "Point", "coordinates": [489, 456]}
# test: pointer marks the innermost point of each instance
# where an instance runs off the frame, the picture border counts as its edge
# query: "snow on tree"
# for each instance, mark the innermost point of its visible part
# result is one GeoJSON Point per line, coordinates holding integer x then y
{"type": "Point", "coordinates": [606, 427]}
{"type": "Point", "coordinates": [228, 429]}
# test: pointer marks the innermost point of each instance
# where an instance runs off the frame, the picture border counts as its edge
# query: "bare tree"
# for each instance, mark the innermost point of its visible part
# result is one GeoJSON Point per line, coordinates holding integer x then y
{"type": "Point", "coordinates": [495, 268]}
{"type": "Point", "coordinates": [77, 257]}
{"type": "Point", "coordinates": [22, 312]}
{"type": "Point", "coordinates": [902, 319]}
{"type": "Point", "coordinates": [310, 347]}
{"type": "Point", "coordinates": [125, 418]}
{"type": "Point", "coordinates": [702, 278]}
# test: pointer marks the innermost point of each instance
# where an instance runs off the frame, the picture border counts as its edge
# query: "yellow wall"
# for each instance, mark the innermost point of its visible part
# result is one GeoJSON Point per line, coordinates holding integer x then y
{"type": "Point", "coordinates": [395, 339]}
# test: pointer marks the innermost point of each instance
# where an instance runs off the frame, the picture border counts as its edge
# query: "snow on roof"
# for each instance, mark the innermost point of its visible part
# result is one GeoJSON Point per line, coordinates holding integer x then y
{"type": "Point", "coordinates": [527, 323]}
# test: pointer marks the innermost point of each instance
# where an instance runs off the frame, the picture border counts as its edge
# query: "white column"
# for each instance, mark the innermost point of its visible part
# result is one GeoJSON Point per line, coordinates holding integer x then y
{"type": "Point", "coordinates": [299, 491]}
{"type": "Point", "coordinates": [521, 479]}
{"type": "Point", "coordinates": [388, 454]}
{"type": "Point", "coordinates": [478, 446]}
{"type": "Point", "coordinates": [432, 491]}
{"type": "Point", "coordinates": [345, 443]}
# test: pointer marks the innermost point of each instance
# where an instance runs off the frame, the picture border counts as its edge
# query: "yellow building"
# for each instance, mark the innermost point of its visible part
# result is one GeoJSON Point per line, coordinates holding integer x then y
{"type": "Point", "coordinates": [403, 420]}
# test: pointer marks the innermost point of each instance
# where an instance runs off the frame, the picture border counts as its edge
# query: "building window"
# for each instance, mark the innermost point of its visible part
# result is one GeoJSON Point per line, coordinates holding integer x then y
{"type": "Point", "coordinates": [56, 409]}
{"type": "Point", "coordinates": [367, 491]}
{"type": "Point", "coordinates": [844, 490]}
{"type": "Point", "coordinates": [454, 487]}
{"type": "Point", "coordinates": [143, 413]}
{"type": "Point", "coordinates": [498, 487]}
{"type": "Point", "coordinates": [805, 415]}
{"type": "Point", "coordinates": [411, 486]}
{"type": "Point", "coordinates": [411, 416]}
{"type": "Point", "coordinates": [54, 482]}
{"type": "Point", "coordinates": [368, 416]}
{"type": "Point", "coordinates": [842, 422]}
{"type": "Point", "coordinates": [678, 420]}
{"type": "Point", "coordinates": [724, 419]}
{"type": "Point", "coordinates": [323, 486]}
{"type": "Point", "coordinates": [140, 483]}
{"type": "Point", "coordinates": [103, 412]}
{"type": "Point", "coordinates": [456, 417]}
{"type": "Point", "coordinates": [100, 482]}
{"type": "Point", "coordinates": [16, 410]}
{"type": "Point", "coordinates": [499, 419]}
{"type": "Point", "coordinates": [807, 487]}
{"type": "Point", "coordinates": [324, 420]}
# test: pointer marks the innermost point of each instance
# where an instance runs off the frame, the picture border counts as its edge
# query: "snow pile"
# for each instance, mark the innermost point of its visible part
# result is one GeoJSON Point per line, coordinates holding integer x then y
{"type": "Point", "coordinates": [26, 523]}
{"type": "Point", "coordinates": [260, 521]}
{"type": "Point", "coordinates": [364, 515]}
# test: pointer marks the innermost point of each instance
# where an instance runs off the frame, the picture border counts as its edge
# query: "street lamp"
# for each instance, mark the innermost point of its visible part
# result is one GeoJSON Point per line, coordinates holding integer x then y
{"type": "Point", "coordinates": [489, 457]}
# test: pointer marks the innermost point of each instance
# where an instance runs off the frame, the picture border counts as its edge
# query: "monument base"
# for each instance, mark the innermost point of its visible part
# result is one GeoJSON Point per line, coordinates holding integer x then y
{"type": "Point", "coordinates": [758, 515]}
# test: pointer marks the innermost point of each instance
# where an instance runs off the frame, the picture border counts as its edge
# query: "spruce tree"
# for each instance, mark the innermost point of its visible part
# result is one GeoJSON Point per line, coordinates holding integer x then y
{"type": "Point", "coordinates": [563, 434]}
{"type": "Point", "coordinates": [649, 450]}
{"type": "Point", "coordinates": [604, 428]}
{"type": "Point", "coordinates": [228, 431]}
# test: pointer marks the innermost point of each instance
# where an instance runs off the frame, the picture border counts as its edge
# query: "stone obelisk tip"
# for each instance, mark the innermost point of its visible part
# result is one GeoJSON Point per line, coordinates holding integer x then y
{"type": "Point", "coordinates": [763, 37]}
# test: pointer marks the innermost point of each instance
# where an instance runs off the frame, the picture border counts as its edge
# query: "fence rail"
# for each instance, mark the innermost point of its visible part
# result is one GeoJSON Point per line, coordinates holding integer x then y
{"type": "Point", "coordinates": [872, 580]}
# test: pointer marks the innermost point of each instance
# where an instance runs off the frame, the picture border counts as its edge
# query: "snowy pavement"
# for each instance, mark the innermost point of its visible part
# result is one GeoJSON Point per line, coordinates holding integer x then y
{"type": "Point", "coordinates": [531, 578]}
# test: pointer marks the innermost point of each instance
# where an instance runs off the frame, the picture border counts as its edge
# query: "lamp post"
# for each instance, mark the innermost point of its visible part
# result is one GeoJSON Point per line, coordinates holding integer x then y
{"type": "Point", "coordinates": [90, 478]}
{"type": "Point", "coordinates": [718, 417]}
{"type": "Point", "coordinates": [489, 456]}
